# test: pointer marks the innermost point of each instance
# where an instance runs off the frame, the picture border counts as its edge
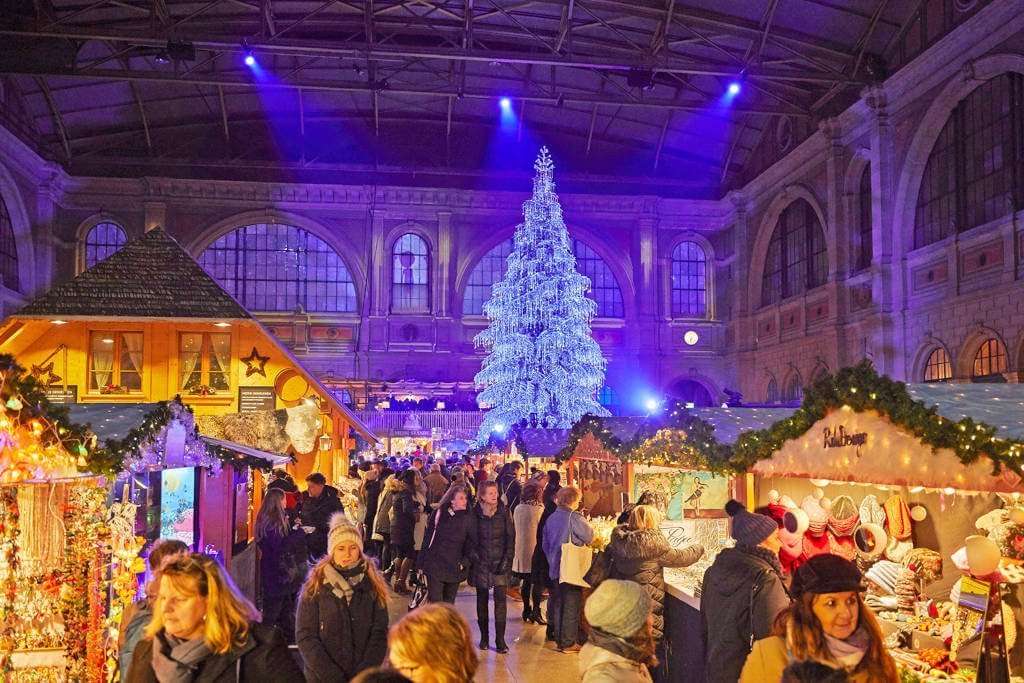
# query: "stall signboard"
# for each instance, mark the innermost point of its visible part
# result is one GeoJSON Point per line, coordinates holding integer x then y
{"type": "Point", "coordinates": [59, 394]}
{"type": "Point", "coordinates": [256, 399]}
{"type": "Point", "coordinates": [688, 493]}
{"type": "Point", "coordinates": [710, 533]}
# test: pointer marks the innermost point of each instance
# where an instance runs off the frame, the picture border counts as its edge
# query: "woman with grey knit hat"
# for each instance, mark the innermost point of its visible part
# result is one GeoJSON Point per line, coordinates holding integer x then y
{"type": "Point", "coordinates": [742, 593]}
{"type": "Point", "coordinates": [342, 622]}
{"type": "Point", "coordinates": [620, 643]}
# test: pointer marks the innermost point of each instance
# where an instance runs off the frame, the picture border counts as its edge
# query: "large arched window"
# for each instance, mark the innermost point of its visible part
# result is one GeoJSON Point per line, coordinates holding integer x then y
{"type": "Point", "coordinates": [271, 267]}
{"type": "Point", "coordinates": [491, 268]}
{"type": "Point", "coordinates": [771, 394]}
{"type": "Point", "coordinates": [603, 287]}
{"type": "Point", "coordinates": [691, 393]}
{"type": "Point", "coordinates": [102, 240]}
{"type": "Point", "coordinates": [797, 257]}
{"type": "Point", "coordinates": [938, 368]}
{"type": "Point", "coordinates": [862, 245]}
{"type": "Point", "coordinates": [8, 250]}
{"type": "Point", "coordinates": [410, 275]}
{"type": "Point", "coordinates": [972, 175]}
{"type": "Point", "coordinates": [990, 360]}
{"type": "Point", "coordinates": [488, 271]}
{"type": "Point", "coordinates": [609, 399]}
{"type": "Point", "coordinates": [689, 281]}
{"type": "Point", "coordinates": [794, 389]}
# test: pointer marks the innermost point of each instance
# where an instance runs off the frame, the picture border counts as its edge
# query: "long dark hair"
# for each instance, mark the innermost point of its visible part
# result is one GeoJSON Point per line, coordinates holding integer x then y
{"type": "Point", "coordinates": [446, 500]}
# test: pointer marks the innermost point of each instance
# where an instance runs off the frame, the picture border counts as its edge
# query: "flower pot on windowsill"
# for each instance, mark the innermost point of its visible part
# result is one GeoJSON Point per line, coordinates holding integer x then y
{"type": "Point", "coordinates": [113, 389]}
{"type": "Point", "coordinates": [202, 390]}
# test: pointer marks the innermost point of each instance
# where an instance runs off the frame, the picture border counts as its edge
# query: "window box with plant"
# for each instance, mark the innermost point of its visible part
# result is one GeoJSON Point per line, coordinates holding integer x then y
{"type": "Point", "coordinates": [204, 362]}
{"type": "Point", "coordinates": [115, 362]}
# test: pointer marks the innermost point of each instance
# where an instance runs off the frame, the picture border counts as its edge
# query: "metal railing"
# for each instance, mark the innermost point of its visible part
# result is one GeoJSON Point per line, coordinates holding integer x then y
{"type": "Point", "coordinates": [381, 422]}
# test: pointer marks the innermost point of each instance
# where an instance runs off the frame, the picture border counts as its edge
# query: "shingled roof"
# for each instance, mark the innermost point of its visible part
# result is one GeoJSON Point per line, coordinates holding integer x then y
{"type": "Point", "coordinates": [150, 277]}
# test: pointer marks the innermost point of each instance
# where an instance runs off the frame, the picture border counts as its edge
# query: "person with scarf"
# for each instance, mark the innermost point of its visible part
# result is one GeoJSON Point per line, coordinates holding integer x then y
{"type": "Point", "coordinates": [742, 593]}
{"type": "Point", "coordinates": [204, 630]}
{"type": "Point", "coordinates": [620, 643]}
{"type": "Point", "coordinates": [342, 622]}
{"type": "Point", "coordinates": [827, 622]}
{"type": "Point", "coordinates": [526, 519]}
{"type": "Point", "coordinates": [451, 535]}
{"type": "Point", "coordinates": [282, 561]}
{"type": "Point", "coordinates": [492, 563]}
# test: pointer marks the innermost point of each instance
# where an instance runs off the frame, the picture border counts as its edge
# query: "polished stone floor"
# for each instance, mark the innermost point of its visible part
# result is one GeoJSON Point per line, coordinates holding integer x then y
{"type": "Point", "coordinates": [529, 660]}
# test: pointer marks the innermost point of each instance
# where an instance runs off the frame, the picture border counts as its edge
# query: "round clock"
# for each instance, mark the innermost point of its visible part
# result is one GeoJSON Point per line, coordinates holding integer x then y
{"type": "Point", "coordinates": [691, 338]}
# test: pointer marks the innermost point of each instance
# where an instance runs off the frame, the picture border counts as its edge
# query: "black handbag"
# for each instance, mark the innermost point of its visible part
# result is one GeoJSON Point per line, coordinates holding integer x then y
{"type": "Point", "coordinates": [419, 595]}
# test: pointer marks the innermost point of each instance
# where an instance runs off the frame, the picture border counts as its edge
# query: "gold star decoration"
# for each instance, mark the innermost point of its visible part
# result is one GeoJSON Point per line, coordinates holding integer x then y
{"type": "Point", "coordinates": [254, 363]}
{"type": "Point", "coordinates": [45, 375]}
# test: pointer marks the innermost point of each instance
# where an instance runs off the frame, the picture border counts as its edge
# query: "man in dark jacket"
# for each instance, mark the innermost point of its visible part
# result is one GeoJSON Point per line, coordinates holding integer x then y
{"type": "Point", "coordinates": [509, 485]}
{"type": "Point", "coordinates": [554, 483]}
{"type": "Point", "coordinates": [742, 593]}
{"type": "Point", "coordinates": [319, 502]}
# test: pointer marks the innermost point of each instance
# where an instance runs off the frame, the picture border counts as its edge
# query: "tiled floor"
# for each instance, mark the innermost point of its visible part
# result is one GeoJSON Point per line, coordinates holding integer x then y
{"type": "Point", "coordinates": [529, 660]}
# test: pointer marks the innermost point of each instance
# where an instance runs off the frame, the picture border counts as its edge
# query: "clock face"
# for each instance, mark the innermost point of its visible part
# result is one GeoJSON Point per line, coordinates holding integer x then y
{"type": "Point", "coordinates": [690, 338]}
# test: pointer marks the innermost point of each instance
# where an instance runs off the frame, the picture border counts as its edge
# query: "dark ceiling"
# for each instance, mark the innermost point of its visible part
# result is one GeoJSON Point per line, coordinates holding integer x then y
{"type": "Point", "coordinates": [627, 94]}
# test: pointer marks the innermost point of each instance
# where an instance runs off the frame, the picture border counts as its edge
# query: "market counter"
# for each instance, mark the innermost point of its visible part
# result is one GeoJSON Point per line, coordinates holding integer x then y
{"type": "Point", "coordinates": [683, 630]}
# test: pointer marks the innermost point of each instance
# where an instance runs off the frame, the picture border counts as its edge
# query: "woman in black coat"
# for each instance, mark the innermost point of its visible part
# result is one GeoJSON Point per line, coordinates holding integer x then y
{"type": "Point", "coordinates": [451, 536]}
{"type": "Point", "coordinates": [282, 552]}
{"type": "Point", "coordinates": [492, 562]}
{"type": "Point", "coordinates": [405, 510]}
{"type": "Point", "coordinates": [639, 551]}
{"type": "Point", "coordinates": [343, 615]}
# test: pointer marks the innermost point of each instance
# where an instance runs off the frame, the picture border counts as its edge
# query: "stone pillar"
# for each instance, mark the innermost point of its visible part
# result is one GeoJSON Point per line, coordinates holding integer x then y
{"type": "Point", "coordinates": [46, 242]}
{"type": "Point", "coordinates": [837, 228]}
{"type": "Point", "coordinates": [443, 296]}
{"type": "Point", "coordinates": [378, 267]}
{"type": "Point", "coordinates": [156, 215]}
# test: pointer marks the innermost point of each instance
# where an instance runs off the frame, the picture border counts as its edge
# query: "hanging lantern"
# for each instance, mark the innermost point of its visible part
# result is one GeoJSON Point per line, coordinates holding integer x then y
{"type": "Point", "coordinates": [325, 442]}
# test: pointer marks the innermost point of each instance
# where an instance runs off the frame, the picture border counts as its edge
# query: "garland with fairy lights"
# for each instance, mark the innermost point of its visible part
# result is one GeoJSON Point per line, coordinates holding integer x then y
{"type": "Point", "coordinates": [861, 388]}
{"type": "Point", "coordinates": [673, 437]}
{"type": "Point", "coordinates": [679, 438]}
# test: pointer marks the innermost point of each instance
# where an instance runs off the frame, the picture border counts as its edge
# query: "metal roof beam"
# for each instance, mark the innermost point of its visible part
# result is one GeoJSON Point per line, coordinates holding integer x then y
{"type": "Point", "coordinates": [58, 120]}
{"type": "Point", "coordinates": [382, 52]}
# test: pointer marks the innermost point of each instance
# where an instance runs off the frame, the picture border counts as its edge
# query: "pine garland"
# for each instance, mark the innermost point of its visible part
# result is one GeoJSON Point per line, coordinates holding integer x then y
{"type": "Point", "coordinates": [677, 437]}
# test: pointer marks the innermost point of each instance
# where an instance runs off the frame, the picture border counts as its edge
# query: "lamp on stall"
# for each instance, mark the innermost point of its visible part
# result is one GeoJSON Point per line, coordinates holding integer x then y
{"type": "Point", "coordinates": [325, 442]}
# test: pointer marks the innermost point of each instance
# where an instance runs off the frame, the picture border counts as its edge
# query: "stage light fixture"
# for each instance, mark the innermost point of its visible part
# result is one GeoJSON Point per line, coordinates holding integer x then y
{"type": "Point", "coordinates": [181, 52]}
{"type": "Point", "coordinates": [640, 78]}
{"type": "Point", "coordinates": [734, 88]}
{"type": "Point", "coordinates": [506, 103]}
{"type": "Point", "coordinates": [250, 58]}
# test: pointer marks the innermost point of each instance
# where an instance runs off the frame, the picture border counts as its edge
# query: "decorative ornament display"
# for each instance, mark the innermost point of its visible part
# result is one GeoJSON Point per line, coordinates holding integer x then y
{"type": "Point", "coordinates": [255, 364]}
{"type": "Point", "coordinates": [543, 367]}
{"type": "Point", "coordinates": [45, 375]}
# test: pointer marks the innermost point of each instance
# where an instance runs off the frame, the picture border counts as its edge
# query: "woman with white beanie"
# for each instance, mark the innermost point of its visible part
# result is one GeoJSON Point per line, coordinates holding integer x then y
{"type": "Point", "coordinates": [620, 643]}
{"type": "Point", "coordinates": [342, 623]}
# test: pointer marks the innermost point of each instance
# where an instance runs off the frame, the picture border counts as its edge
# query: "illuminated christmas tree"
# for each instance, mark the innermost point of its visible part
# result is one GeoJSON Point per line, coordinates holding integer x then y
{"type": "Point", "coordinates": [543, 366]}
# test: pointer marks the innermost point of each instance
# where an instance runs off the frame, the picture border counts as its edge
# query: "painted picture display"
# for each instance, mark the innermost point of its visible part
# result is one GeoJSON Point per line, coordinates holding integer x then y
{"type": "Point", "coordinates": [178, 504]}
{"type": "Point", "coordinates": [688, 493]}
{"type": "Point", "coordinates": [602, 484]}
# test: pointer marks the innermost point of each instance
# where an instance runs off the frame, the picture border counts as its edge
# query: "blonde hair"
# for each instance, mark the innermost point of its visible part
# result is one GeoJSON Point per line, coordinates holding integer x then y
{"type": "Point", "coordinates": [228, 613]}
{"type": "Point", "coordinates": [645, 517]}
{"type": "Point", "coordinates": [316, 579]}
{"type": "Point", "coordinates": [567, 495]}
{"type": "Point", "coordinates": [415, 638]}
{"type": "Point", "coordinates": [805, 638]}
{"type": "Point", "coordinates": [272, 519]}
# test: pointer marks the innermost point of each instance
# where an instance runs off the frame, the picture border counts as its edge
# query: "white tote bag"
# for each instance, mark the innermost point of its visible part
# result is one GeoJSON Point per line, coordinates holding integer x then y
{"type": "Point", "coordinates": [576, 560]}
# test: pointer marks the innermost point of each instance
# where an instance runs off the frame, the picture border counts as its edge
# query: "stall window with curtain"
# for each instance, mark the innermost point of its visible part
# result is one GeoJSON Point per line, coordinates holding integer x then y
{"type": "Point", "coordinates": [410, 275]}
{"type": "Point", "coordinates": [204, 360]}
{"type": "Point", "coordinates": [115, 362]}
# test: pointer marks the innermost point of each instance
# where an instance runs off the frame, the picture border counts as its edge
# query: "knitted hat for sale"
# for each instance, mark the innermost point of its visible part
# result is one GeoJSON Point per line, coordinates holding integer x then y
{"type": "Point", "coordinates": [749, 528]}
{"type": "Point", "coordinates": [817, 516]}
{"type": "Point", "coordinates": [843, 546]}
{"type": "Point", "coordinates": [618, 607]}
{"type": "Point", "coordinates": [897, 518]}
{"type": "Point", "coordinates": [342, 530]}
{"type": "Point", "coordinates": [792, 543]}
{"type": "Point", "coordinates": [871, 511]}
{"type": "Point", "coordinates": [843, 516]}
{"type": "Point", "coordinates": [796, 521]}
{"type": "Point", "coordinates": [871, 541]}
{"type": "Point", "coordinates": [885, 574]}
{"type": "Point", "coordinates": [1010, 539]}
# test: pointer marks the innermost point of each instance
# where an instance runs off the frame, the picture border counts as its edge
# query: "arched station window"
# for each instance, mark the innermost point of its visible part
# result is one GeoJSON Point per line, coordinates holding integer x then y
{"type": "Point", "coordinates": [102, 240]}
{"type": "Point", "coordinates": [609, 399]}
{"type": "Point", "coordinates": [863, 246]}
{"type": "Point", "coordinates": [272, 267]}
{"type": "Point", "coordinates": [989, 361]}
{"type": "Point", "coordinates": [973, 172]}
{"type": "Point", "coordinates": [797, 257]}
{"type": "Point", "coordinates": [794, 389]}
{"type": "Point", "coordinates": [410, 275]}
{"type": "Point", "coordinates": [689, 281]}
{"type": "Point", "coordinates": [772, 393]}
{"type": "Point", "coordinates": [938, 366]}
{"type": "Point", "coordinates": [8, 250]}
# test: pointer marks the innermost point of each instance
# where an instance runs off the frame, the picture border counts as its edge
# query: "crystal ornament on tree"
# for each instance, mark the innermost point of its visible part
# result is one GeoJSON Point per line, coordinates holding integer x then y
{"type": "Point", "coordinates": [543, 365]}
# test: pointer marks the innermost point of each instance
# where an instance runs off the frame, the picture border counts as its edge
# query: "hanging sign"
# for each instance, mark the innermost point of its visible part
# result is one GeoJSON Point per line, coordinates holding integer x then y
{"type": "Point", "coordinates": [838, 437]}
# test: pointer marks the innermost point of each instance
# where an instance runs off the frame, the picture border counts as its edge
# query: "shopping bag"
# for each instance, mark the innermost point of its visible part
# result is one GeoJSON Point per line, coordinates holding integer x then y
{"type": "Point", "coordinates": [419, 595]}
{"type": "Point", "coordinates": [576, 560]}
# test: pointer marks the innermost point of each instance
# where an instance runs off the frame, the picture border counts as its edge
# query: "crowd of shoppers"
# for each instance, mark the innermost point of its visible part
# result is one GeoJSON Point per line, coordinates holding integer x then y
{"type": "Point", "coordinates": [324, 579]}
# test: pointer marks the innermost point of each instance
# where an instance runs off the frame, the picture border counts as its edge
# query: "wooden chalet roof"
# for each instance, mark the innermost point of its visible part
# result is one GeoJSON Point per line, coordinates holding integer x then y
{"type": "Point", "coordinates": [150, 277]}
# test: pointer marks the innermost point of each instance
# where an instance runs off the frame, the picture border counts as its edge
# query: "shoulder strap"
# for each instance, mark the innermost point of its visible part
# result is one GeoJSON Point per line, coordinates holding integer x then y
{"type": "Point", "coordinates": [568, 529]}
